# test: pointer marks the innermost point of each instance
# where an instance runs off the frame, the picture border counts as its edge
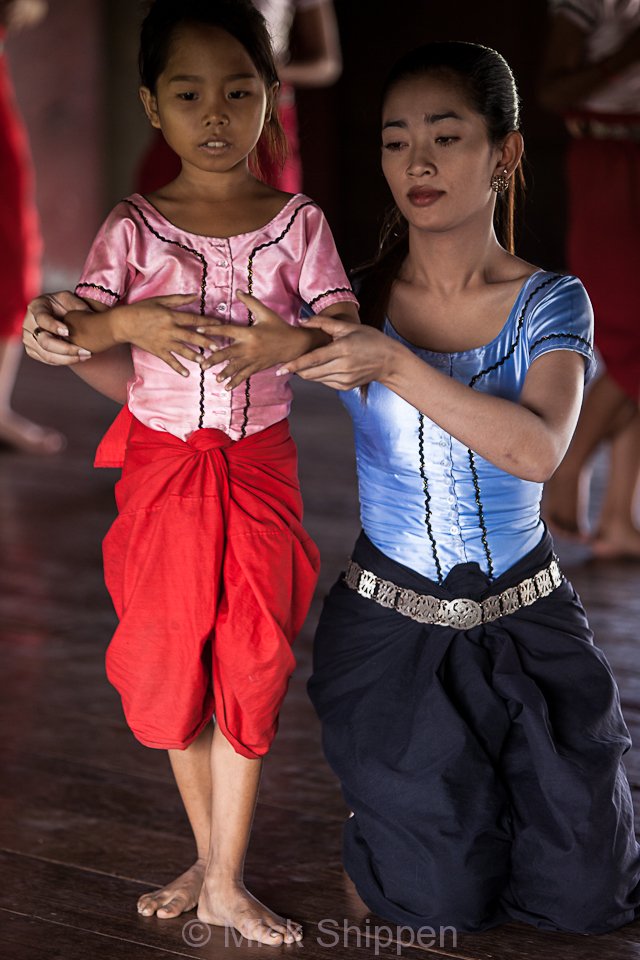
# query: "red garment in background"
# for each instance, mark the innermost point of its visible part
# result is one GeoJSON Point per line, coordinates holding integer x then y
{"type": "Point", "coordinates": [19, 230]}
{"type": "Point", "coordinates": [604, 246]}
{"type": "Point", "coordinates": [211, 574]}
{"type": "Point", "coordinates": [160, 165]}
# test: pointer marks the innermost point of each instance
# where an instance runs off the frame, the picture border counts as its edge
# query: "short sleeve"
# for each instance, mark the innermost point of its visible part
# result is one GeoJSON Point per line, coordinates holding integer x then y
{"type": "Point", "coordinates": [562, 319]}
{"type": "Point", "coordinates": [323, 280]}
{"type": "Point", "coordinates": [586, 14]}
{"type": "Point", "coordinates": [107, 274]}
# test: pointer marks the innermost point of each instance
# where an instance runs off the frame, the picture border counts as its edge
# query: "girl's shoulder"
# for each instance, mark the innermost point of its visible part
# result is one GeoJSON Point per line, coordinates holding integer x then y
{"type": "Point", "coordinates": [295, 208]}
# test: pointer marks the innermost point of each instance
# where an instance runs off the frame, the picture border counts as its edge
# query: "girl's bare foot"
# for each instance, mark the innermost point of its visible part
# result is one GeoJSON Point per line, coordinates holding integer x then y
{"type": "Point", "coordinates": [229, 904]}
{"type": "Point", "coordinates": [179, 896]}
{"type": "Point", "coordinates": [616, 542]}
{"type": "Point", "coordinates": [28, 437]}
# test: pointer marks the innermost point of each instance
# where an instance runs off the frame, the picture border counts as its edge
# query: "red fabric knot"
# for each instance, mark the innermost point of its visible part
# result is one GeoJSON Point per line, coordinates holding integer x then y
{"type": "Point", "coordinates": [209, 439]}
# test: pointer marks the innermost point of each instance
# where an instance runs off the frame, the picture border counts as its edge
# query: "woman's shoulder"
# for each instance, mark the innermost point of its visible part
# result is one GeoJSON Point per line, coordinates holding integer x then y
{"type": "Point", "coordinates": [555, 288]}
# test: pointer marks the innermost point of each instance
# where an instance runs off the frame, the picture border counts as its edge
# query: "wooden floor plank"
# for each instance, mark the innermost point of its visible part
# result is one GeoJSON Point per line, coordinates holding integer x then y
{"type": "Point", "coordinates": [99, 905]}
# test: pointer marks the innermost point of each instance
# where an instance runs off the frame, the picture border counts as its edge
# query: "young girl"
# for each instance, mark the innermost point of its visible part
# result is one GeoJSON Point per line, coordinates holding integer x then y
{"type": "Point", "coordinates": [208, 565]}
{"type": "Point", "coordinates": [475, 727]}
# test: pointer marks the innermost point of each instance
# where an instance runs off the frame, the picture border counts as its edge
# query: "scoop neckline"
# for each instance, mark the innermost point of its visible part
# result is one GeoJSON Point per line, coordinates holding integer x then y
{"type": "Point", "coordinates": [209, 236]}
{"type": "Point", "coordinates": [472, 350]}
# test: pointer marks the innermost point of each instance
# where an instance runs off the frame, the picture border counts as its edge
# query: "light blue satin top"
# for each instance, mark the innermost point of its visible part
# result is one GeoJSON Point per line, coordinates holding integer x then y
{"type": "Point", "coordinates": [426, 500]}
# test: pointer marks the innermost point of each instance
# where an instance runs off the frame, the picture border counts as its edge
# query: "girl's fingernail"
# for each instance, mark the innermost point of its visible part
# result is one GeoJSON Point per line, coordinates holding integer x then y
{"type": "Point", "coordinates": [84, 353]}
{"type": "Point", "coordinates": [283, 371]}
{"type": "Point", "coordinates": [62, 331]}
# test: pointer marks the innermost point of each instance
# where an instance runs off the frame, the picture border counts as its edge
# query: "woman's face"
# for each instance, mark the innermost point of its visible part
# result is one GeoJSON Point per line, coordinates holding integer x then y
{"type": "Point", "coordinates": [436, 155]}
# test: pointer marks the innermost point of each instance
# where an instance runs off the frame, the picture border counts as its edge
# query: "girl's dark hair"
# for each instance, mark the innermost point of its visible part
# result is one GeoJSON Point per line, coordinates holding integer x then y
{"type": "Point", "coordinates": [485, 79]}
{"type": "Point", "coordinates": [237, 17]}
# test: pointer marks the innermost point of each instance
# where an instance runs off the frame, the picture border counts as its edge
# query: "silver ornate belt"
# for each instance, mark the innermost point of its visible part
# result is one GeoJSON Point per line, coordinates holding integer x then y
{"type": "Point", "coordinates": [461, 612]}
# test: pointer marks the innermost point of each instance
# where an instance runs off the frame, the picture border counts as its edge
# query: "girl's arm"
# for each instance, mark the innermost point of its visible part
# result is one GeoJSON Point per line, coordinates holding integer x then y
{"type": "Point", "coordinates": [317, 61]}
{"type": "Point", "coordinates": [566, 76]}
{"type": "Point", "coordinates": [75, 328]}
{"type": "Point", "coordinates": [527, 439]}
{"type": "Point", "coordinates": [154, 325]}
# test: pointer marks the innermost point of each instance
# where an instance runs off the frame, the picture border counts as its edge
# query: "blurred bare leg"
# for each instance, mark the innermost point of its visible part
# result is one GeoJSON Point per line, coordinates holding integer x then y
{"type": "Point", "coordinates": [606, 411]}
{"type": "Point", "coordinates": [617, 536]}
{"type": "Point", "coordinates": [17, 431]}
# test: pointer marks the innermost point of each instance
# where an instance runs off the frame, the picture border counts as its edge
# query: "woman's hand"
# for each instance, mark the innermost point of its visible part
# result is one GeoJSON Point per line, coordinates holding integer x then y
{"type": "Point", "coordinates": [45, 334]}
{"type": "Point", "coordinates": [357, 355]}
{"type": "Point", "coordinates": [267, 342]}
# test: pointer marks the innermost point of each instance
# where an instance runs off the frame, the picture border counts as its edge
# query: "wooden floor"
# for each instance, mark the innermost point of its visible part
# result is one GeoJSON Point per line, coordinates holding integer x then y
{"type": "Point", "coordinates": [89, 819]}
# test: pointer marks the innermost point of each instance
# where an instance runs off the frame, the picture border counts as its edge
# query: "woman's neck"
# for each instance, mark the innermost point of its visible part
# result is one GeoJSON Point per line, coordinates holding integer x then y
{"type": "Point", "coordinates": [452, 261]}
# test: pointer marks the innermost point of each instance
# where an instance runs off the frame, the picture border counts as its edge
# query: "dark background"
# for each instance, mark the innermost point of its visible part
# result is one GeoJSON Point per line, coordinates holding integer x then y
{"type": "Point", "coordinates": [77, 86]}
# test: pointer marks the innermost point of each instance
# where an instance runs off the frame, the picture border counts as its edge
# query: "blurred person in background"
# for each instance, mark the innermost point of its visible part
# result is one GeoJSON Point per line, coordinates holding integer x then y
{"type": "Point", "coordinates": [19, 241]}
{"type": "Point", "coordinates": [591, 76]}
{"type": "Point", "coordinates": [307, 46]}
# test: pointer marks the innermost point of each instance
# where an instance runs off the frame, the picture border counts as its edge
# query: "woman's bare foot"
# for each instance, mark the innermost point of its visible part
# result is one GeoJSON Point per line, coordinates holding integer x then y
{"type": "Point", "coordinates": [229, 904]}
{"type": "Point", "coordinates": [28, 437]}
{"type": "Point", "coordinates": [616, 542]}
{"type": "Point", "coordinates": [179, 896]}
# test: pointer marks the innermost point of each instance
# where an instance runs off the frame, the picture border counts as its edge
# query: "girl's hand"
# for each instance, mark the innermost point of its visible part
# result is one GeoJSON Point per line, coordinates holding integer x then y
{"type": "Point", "coordinates": [155, 325]}
{"type": "Point", "coordinates": [44, 332]}
{"type": "Point", "coordinates": [267, 342]}
{"type": "Point", "coordinates": [25, 13]}
{"type": "Point", "coordinates": [358, 355]}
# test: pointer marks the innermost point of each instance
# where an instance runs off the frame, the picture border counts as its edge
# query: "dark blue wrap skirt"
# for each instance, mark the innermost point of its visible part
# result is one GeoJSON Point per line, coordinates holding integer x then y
{"type": "Point", "coordinates": [484, 767]}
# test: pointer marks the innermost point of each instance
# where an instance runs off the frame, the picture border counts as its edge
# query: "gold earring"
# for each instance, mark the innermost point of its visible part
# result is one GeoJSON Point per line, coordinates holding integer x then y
{"type": "Point", "coordinates": [500, 182]}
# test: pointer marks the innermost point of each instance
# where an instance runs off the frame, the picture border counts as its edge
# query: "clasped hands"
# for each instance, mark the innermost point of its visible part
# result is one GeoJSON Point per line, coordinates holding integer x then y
{"type": "Point", "coordinates": [160, 328]}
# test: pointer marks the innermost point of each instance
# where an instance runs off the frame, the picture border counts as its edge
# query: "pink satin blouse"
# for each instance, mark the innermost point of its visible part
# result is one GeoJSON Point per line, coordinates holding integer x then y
{"type": "Point", "coordinates": [289, 262]}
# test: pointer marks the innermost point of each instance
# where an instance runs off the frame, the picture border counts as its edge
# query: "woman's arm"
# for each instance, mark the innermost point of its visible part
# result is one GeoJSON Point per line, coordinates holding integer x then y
{"type": "Point", "coordinates": [566, 77]}
{"type": "Point", "coordinates": [317, 60]}
{"type": "Point", "coordinates": [527, 439]}
{"type": "Point", "coordinates": [108, 372]}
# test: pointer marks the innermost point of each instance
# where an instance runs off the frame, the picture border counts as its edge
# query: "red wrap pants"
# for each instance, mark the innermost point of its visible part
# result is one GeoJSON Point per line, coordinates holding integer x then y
{"type": "Point", "coordinates": [211, 574]}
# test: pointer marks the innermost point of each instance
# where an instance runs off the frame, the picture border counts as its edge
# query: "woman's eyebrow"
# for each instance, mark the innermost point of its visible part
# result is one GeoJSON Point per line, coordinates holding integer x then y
{"type": "Point", "coordinates": [437, 117]}
{"type": "Point", "coordinates": [428, 118]}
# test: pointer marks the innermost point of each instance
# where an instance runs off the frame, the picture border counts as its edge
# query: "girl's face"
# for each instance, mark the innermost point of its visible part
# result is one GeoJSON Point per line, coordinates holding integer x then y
{"type": "Point", "coordinates": [436, 154]}
{"type": "Point", "coordinates": [210, 101]}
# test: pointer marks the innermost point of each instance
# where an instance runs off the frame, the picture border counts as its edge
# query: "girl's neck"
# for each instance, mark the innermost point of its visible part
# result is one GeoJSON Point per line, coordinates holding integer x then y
{"type": "Point", "coordinates": [218, 205]}
{"type": "Point", "coordinates": [193, 185]}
